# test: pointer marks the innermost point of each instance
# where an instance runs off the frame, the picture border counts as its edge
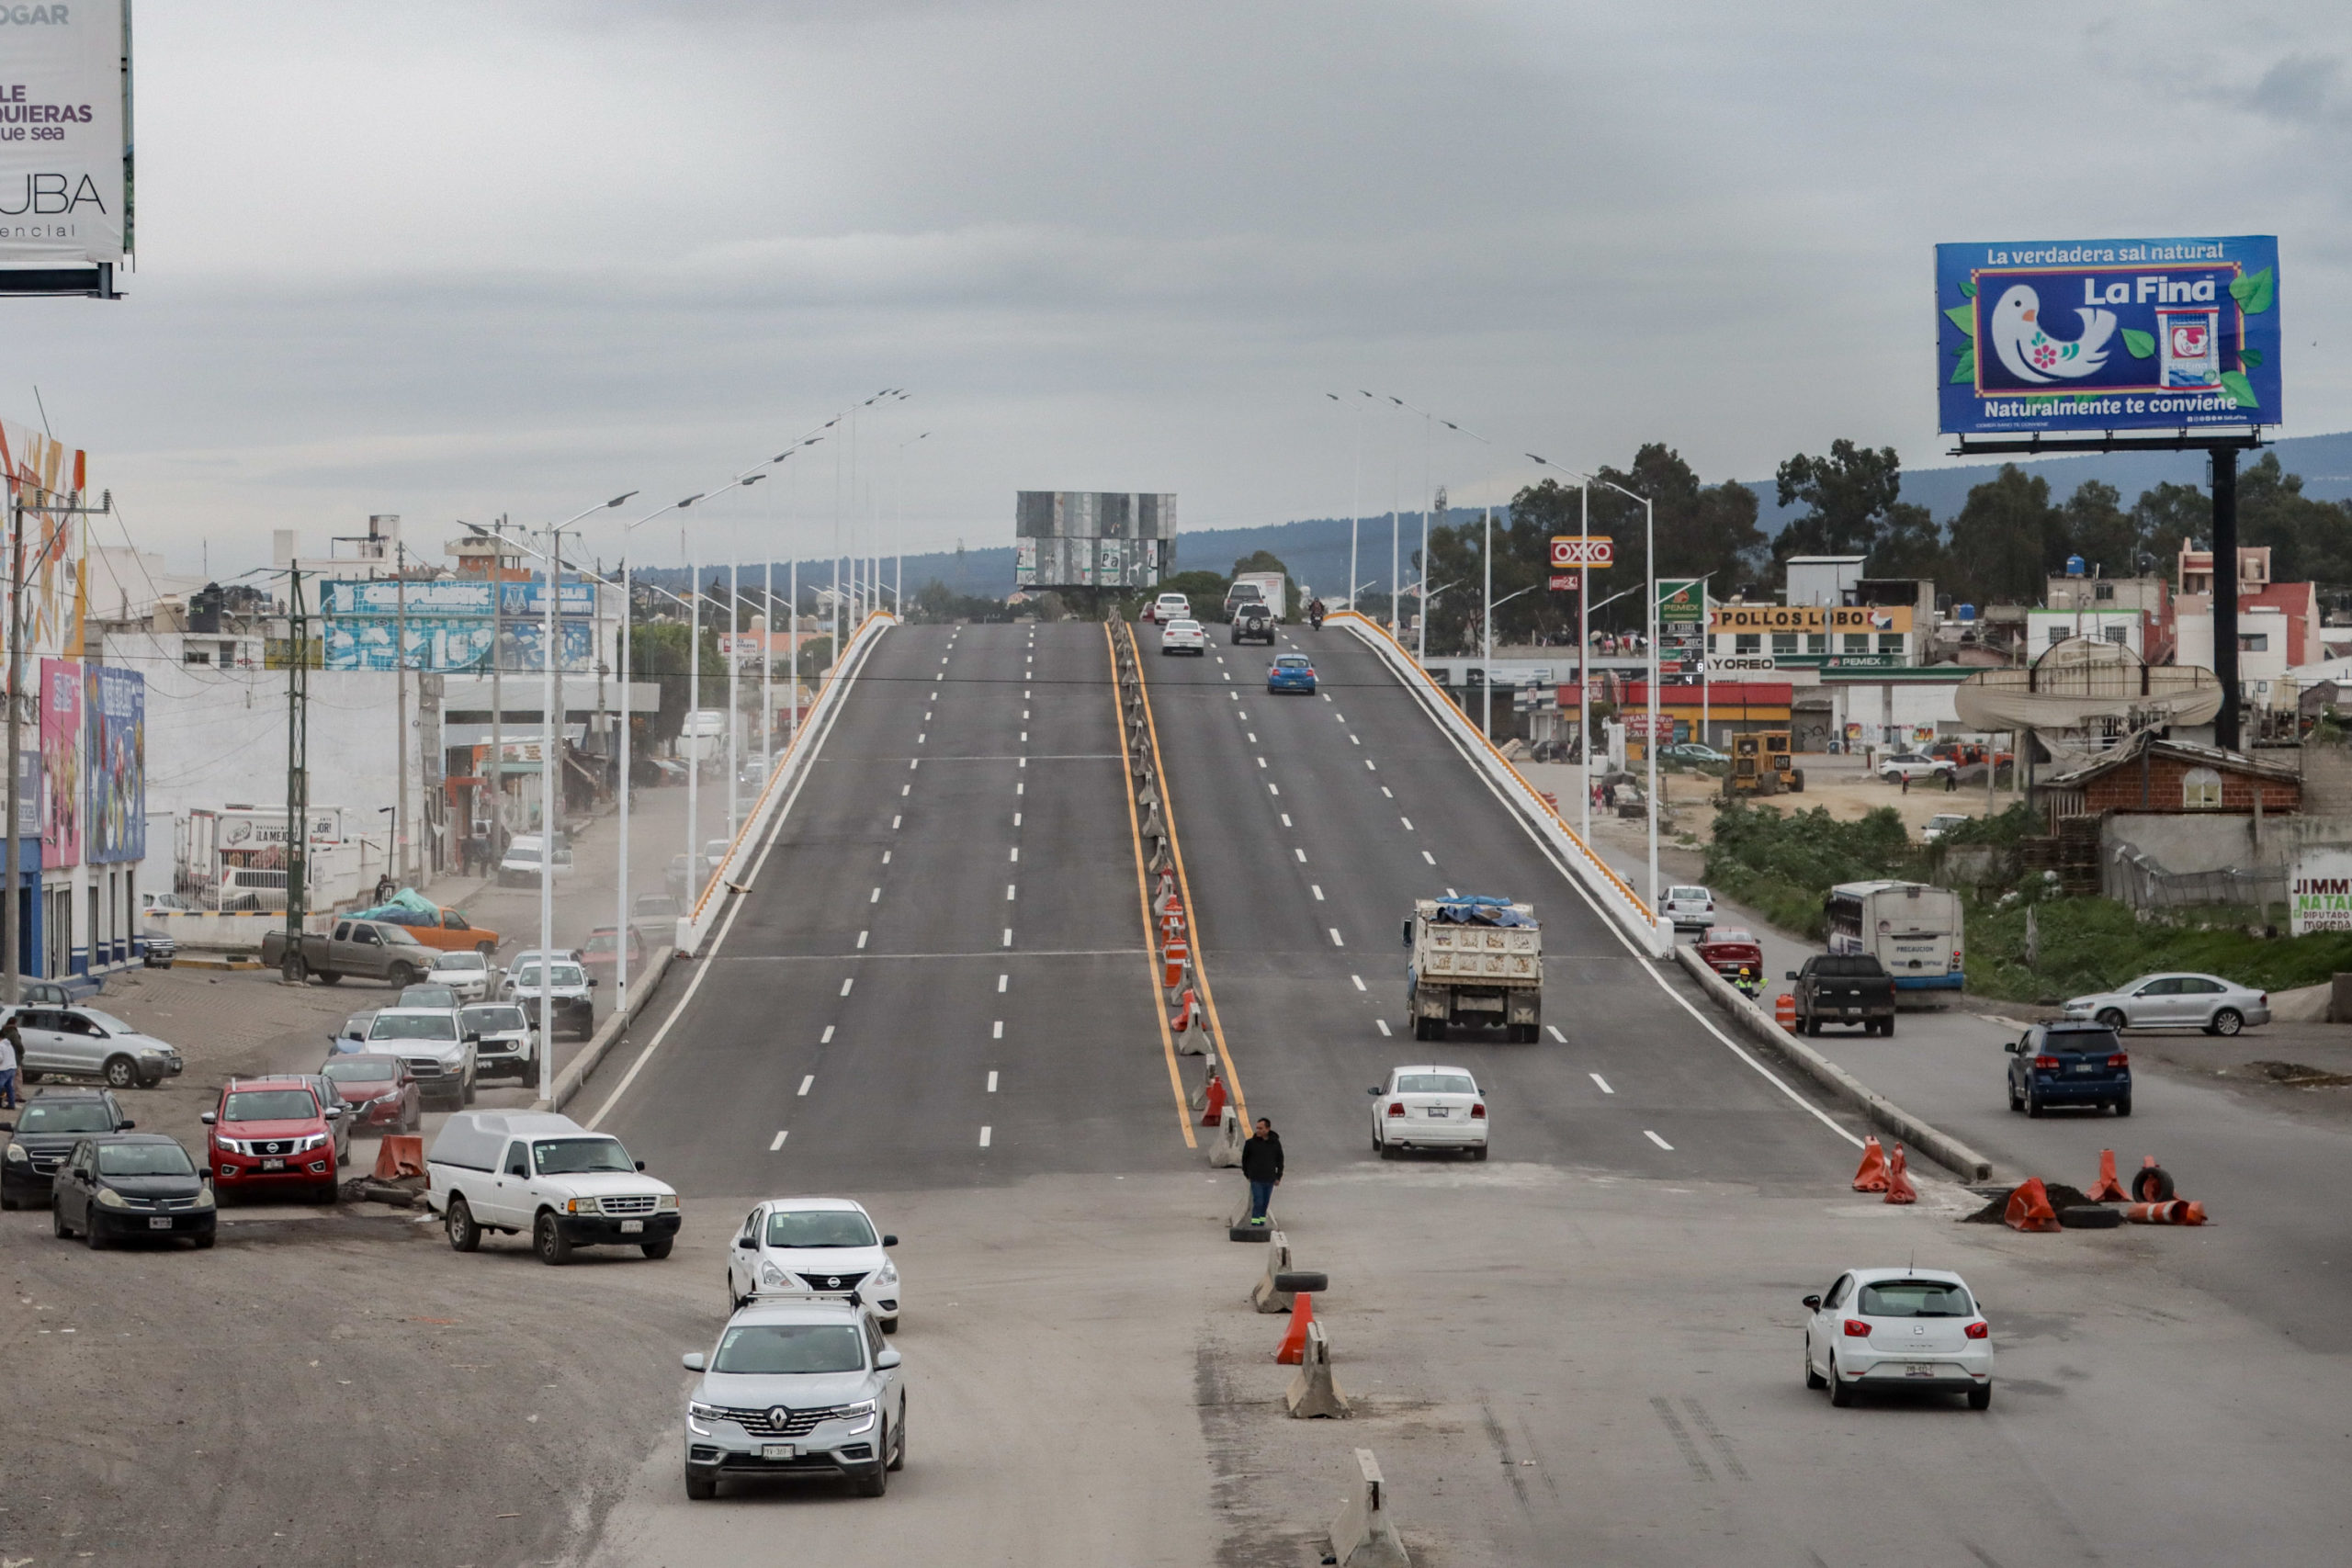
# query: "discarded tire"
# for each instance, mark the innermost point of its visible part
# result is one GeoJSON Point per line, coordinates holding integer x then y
{"type": "Point", "coordinates": [2152, 1184]}
{"type": "Point", "coordinates": [1313, 1282]}
{"type": "Point", "coordinates": [2090, 1219]}
{"type": "Point", "coordinates": [1250, 1232]}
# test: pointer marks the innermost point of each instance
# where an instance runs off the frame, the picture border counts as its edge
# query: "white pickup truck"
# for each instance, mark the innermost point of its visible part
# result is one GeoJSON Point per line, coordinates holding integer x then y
{"type": "Point", "coordinates": [524, 1170]}
{"type": "Point", "coordinates": [1476, 961]}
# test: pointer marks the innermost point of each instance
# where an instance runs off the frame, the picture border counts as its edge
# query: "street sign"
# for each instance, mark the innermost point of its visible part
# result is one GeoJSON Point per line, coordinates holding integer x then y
{"type": "Point", "coordinates": [1590, 550]}
{"type": "Point", "coordinates": [1564, 583]}
{"type": "Point", "coordinates": [1681, 599]}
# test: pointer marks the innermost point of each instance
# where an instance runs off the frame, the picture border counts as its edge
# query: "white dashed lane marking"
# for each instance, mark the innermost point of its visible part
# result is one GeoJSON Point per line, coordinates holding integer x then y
{"type": "Point", "coordinates": [777, 1142]}
{"type": "Point", "coordinates": [1300, 854]}
{"type": "Point", "coordinates": [847, 984]}
{"type": "Point", "coordinates": [827, 1038]}
{"type": "Point", "coordinates": [861, 940]}
{"type": "Point", "coordinates": [807, 1083]}
{"type": "Point", "coordinates": [1556, 1034]}
{"type": "Point", "coordinates": [1337, 940]}
{"type": "Point", "coordinates": [1359, 980]}
{"type": "Point", "coordinates": [1317, 890]}
{"type": "Point", "coordinates": [1602, 1082]}
{"type": "Point", "coordinates": [1407, 821]}
{"type": "Point", "coordinates": [992, 1083]}
{"type": "Point", "coordinates": [985, 1133]}
{"type": "Point", "coordinates": [1428, 857]}
{"type": "Point", "coordinates": [1384, 1025]}
{"type": "Point", "coordinates": [1000, 980]}
{"type": "Point", "coordinates": [1654, 1138]}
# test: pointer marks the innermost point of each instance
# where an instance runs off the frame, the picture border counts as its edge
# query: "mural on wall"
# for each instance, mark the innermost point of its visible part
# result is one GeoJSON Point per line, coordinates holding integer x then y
{"type": "Point", "coordinates": [60, 777]}
{"type": "Point", "coordinates": [116, 761]}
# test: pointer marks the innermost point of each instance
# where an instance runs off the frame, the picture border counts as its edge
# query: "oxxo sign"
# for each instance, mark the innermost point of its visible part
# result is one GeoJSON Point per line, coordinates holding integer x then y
{"type": "Point", "coordinates": [1590, 551]}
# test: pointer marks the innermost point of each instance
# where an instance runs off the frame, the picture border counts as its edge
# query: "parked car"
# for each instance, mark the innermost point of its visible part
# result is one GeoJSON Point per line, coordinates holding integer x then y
{"type": "Point", "coordinates": [1168, 607]}
{"type": "Point", "coordinates": [1690, 908]}
{"type": "Point", "coordinates": [432, 1041]}
{"type": "Point", "coordinates": [445, 929]}
{"type": "Point", "coordinates": [1920, 1329]}
{"type": "Point", "coordinates": [149, 903]}
{"type": "Point", "coordinates": [1942, 822]}
{"type": "Point", "coordinates": [81, 1041]}
{"type": "Point", "coordinates": [328, 1094]}
{"type": "Point", "coordinates": [1691, 751]}
{"type": "Point", "coordinates": [375, 950]}
{"type": "Point", "coordinates": [47, 1127]}
{"type": "Point", "coordinates": [272, 1132]}
{"type": "Point", "coordinates": [1905, 765]}
{"type": "Point", "coordinates": [655, 917]}
{"type": "Point", "coordinates": [351, 1035]}
{"type": "Point", "coordinates": [1185, 637]}
{"type": "Point", "coordinates": [520, 865]}
{"type": "Point", "coordinates": [1429, 1108]}
{"type": "Point", "coordinates": [1291, 672]}
{"type": "Point", "coordinates": [58, 993]}
{"type": "Point", "coordinates": [531, 1171]}
{"type": "Point", "coordinates": [156, 951]}
{"type": "Point", "coordinates": [2175, 1001]}
{"type": "Point", "coordinates": [428, 994]}
{"type": "Point", "coordinates": [570, 994]}
{"type": "Point", "coordinates": [2069, 1064]}
{"type": "Point", "coordinates": [797, 1247]}
{"type": "Point", "coordinates": [467, 974]}
{"type": "Point", "coordinates": [119, 1185]}
{"type": "Point", "coordinates": [504, 1043]}
{"type": "Point", "coordinates": [1844, 987]}
{"type": "Point", "coordinates": [796, 1386]}
{"type": "Point", "coordinates": [378, 1091]}
{"type": "Point", "coordinates": [600, 957]}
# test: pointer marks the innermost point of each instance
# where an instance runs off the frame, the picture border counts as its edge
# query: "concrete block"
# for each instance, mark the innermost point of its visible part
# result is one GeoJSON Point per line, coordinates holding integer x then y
{"type": "Point", "coordinates": [1365, 1536]}
{"type": "Point", "coordinates": [1226, 1152]}
{"type": "Point", "coordinates": [1265, 1296]}
{"type": "Point", "coordinates": [1313, 1395]}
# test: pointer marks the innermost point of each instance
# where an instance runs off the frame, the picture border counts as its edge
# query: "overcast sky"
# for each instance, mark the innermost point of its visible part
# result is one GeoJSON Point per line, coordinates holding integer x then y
{"type": "Point", "coordinates": [449, 261]}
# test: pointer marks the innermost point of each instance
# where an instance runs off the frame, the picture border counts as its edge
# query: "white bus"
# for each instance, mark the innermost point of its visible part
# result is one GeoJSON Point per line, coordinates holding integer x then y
{"type": "Point", "coordinates": [1913, 930]}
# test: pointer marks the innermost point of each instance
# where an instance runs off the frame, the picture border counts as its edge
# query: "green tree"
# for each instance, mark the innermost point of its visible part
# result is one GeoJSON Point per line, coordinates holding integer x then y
{"type": "Point", "coordinates": [1846, 496]}
{"type": "Point", "coordinates": [2169, 517]}
{"type": "Point", "coordinates": [1912, 544]}
{"type": "Point", "coordinates": [2094, 526]}
{"type": "Point", "coordinates": [1206, 589]}
{"type": "Point", "coordinates": [2002, 538]}
{"type": "Point", "coordinates": [2308, 540]}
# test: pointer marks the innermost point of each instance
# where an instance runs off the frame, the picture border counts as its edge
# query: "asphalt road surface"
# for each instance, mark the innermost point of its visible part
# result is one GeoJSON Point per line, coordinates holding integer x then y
{"type": "Point", "coordinates": [932, 994]}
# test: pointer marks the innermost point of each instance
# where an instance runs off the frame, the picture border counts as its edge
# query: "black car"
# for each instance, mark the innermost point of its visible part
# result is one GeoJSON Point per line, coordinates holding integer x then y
{"type": "Point", "coordinates": [45, 1132]}
{"type": "Point", "coordinates": [120, 1185]}
{"type": "Point", "coordinates": [1253, 622]}
{"type": "Point", "coordinates": [2069, 1064]}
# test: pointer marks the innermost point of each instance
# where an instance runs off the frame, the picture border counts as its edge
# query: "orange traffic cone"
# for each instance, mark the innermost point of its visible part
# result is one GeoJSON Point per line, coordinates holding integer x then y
{"type": "Point", "coordinates": [2106, 1190]}
{"type": "Point", "coordinates": [1186, 1010]}
{"type": "Point", "coordinates": [1871, 1178]}
{"type": "Point", "coordinates": [1784, 1011]}
{"type": "Point", "coordinates": [1213, 1113]}
{"type": "Point", "coordinates": [1898, 1182]}
{"type": "Point", "coordinates": [400, 1155]}
{"type": "Point", "coordinates": [2173, 1211]}
{"type": "Point", "coordinates": [1294, 1346]}
{"type": "Point", "coordinates": [2029, 1208]}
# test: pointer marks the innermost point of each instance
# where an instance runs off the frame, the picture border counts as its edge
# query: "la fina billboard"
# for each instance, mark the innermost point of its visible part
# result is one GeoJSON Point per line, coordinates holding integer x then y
{"type": "Point", "coordinates": [2084, 336]}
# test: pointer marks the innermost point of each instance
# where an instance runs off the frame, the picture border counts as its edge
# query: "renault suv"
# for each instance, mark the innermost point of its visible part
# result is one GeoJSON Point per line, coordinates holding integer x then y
{"type": "Point", "coordinates": [272, 1133]}
{"type": "Point", "coordinates": [794, 1387]}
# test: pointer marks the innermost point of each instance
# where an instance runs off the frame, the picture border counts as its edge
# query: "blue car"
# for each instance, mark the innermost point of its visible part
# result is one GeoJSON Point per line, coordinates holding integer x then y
{"type": "Point", "coordinates": [2069, 1064]}
{"type": "Point", "coordinates": [1291, 672]}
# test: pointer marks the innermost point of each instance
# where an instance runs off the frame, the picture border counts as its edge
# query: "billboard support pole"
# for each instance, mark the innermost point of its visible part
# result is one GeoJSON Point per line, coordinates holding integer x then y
{"type": "Point", "coordinates": [2225, 594]}
{"type": "Point", "coordinates": [296, 968]}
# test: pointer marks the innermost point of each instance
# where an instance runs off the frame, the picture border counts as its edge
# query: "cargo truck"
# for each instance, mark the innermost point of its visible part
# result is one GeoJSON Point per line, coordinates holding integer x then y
{"type": "Point", "coordinates": [1477, 962]}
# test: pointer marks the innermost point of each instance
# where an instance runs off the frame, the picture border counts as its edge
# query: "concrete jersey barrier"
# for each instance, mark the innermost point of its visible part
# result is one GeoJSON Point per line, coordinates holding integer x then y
{"type": "Point", "coordinates": [1883, 1113]}
{"type": "Point", "coordinates": [1619, 902]}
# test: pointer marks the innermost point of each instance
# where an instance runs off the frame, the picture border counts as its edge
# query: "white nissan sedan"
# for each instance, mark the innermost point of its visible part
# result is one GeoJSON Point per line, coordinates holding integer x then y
{"type": "Point", "coordinates": [1429, 1108]}
{"type": "Point", "coordinates": [1915, 1328]}
{"type": "Point", "coordinates": [805, 1247]}
{"type": "Point", "coordinates": [1184, 637]}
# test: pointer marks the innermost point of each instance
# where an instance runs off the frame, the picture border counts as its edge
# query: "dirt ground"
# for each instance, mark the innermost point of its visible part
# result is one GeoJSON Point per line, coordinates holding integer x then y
{"type": "Point", "coordinates": [1837, 783]}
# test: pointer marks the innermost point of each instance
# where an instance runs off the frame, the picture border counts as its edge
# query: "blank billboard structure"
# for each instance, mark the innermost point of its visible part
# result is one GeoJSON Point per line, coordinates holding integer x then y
{"type": "Point", "coordinates": [1091, 538]}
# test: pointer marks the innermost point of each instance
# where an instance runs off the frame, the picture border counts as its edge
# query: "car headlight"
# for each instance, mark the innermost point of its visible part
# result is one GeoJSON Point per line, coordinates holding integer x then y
{"type": "Point", "coordinates": [579, 1206]}
{"type": "Point", "coordinates": [111, 1198]}
{"type": "Point", "coordinates": [17, 1154]}
{"type": "Point", "coordinates": [668, 1201]}
{"type": "Point", "coordinates": [861, 1415]}
{"type": "Point", "coordinates": [697, 1413]}
{"type": "Point", "coordinates": [887, 1275]}
{"type": "Point", "coordinates": [204, 1198]}
{"type": "Point", "coordinates": [771, 1275]}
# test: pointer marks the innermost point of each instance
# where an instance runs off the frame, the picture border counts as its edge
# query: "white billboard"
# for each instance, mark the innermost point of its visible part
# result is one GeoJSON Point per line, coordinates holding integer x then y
{"type": "Point", "coordinates": [65, 131]}
{"type": "Point", "coordinates": [2320, 892]}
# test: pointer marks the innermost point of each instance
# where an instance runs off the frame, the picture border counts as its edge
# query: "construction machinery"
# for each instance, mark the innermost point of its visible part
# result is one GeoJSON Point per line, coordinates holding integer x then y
{"type": "Point", "coordinates": [1762, 764]}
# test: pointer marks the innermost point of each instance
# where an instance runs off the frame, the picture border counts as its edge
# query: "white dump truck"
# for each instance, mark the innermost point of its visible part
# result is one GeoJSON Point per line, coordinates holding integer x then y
{"type": "Point", "coordinates": [1477, 962]}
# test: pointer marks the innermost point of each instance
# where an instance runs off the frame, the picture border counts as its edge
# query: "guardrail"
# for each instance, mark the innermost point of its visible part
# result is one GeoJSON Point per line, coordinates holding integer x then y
{"type": "Point", "coordinates": [693, 927]}
{"type": "Point", "coordinates": [1610, 891]}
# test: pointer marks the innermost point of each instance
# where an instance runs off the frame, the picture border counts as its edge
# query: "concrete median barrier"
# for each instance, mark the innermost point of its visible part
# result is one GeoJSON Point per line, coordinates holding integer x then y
{"type": "Point", "coordinates": [1313, 1395]}
{"type": "Point", "coordinates": [1267, 1296]}
{"type": "Point", "coordinates": [1226, 1152]}
{"type": "Point", "coordinates": [1365, 1536]}
{"type": "Point", "coordinates": [615, 1025]}
{"type": "Point", "coordinates": [1841, 1085]}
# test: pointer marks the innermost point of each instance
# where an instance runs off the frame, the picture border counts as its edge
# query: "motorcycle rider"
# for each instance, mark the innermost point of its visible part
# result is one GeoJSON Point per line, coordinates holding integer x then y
{"type": "Point", "coordinates": [1315, 612]}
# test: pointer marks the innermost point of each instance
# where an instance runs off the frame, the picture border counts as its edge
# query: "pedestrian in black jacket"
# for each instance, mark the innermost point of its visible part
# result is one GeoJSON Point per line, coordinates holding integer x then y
{"type": "Point", "coordinates": [1261, 1164]}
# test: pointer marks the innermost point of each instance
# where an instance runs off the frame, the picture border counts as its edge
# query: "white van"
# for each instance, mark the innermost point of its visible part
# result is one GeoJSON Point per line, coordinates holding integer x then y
{"type": "Point", "coordinates": [516, 1171]}
{"type": "Point", "coordinates": [520, 867]}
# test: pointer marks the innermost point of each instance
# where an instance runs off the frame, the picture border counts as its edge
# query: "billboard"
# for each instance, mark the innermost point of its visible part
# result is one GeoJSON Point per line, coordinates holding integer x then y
{"type": "Point", "coordinates": [60, 756]}
{"type": "Point", "coordinates": [1582, 550]}
{"type": "Point", "coordinates": [1086, 538]}
{"type": "Point", "coordinates": [448, 625]}
{"type": "Point", "coordinates": [2095, 335]}
{"type": "Point", "coordinates": [44, 473]}
{"type": "Point", "coordinates": [2320, 892]}
{"type": "Point", "coordinates": [114, 759]}
{"type": "Point", "coordinates": [65, 133]}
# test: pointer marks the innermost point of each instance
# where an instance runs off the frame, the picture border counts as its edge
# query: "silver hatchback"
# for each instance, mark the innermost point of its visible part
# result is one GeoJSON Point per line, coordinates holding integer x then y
{"type": "Point", "coordinates": [2175, 1001]}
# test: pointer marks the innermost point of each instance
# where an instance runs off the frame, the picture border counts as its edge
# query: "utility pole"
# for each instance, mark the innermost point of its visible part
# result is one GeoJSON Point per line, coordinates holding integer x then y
{"type": "Point", "coordinates": [11, 927]}
{"type": "Point", "coordinates": [400, 708]}
{"type": "Point", "coordinates": [296, 968]}
{"type": "Point", "coordinates": [497, 845]}
{"type": "Point", "coordinates": [554, 760]}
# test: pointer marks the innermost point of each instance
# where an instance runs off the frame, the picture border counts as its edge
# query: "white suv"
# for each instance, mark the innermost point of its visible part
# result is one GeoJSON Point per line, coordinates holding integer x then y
{"type": "Point", "coordinates": [796, 1386]}
{"type": "Point", "coordinates": [801, 1246]}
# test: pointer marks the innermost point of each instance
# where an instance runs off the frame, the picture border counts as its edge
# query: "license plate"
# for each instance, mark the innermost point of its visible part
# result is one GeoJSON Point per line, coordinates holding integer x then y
{"type": "Point", "coordinates": [629, 1227]}
{"type": "Point", "coordinates": [776, 1450]}
{"type": "Point", "coordinates": [2084, 1067]}
{"type": "Point", "coordinates": [272, 1164]}
{"type": "Point", "coordinates": [1918, 1368]}
{"type": "Point", "coordinates": [1436, 1112]}
{"type": "Point", "coordinates": [160, 1222]}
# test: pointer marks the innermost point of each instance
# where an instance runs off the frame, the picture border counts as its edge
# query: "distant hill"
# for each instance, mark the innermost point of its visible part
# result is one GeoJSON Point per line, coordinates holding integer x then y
{"type": "Point", "coordinates": [1315, 550]}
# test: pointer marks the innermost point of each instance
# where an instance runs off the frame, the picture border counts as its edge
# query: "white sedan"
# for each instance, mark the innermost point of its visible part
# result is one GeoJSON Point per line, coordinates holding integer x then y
{"type": "Point", "coordinates": [1184, 637]}
{"type": "Point", "coordinates": [467, 974]}
{"type": "Point", "coordinates": [1916, 1328]}
{"type": "Point", "coordinates": [2175, 1001]}
{"type": "Point", "coordinates": [1429, 1108]}
{"type": "Point", "coordinates": [803, 1247]}
{"type": "Point", "coordinates": [1692, 908]}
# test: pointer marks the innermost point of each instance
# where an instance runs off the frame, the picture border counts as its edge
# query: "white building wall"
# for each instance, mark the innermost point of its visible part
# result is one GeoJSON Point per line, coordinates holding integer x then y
{"type": "Point", "coordinates": [2112, 626]}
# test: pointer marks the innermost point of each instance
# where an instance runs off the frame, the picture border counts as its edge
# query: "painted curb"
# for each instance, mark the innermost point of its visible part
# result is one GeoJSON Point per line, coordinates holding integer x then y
{"type": "Point", "coordinates": [1842, 1086]}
